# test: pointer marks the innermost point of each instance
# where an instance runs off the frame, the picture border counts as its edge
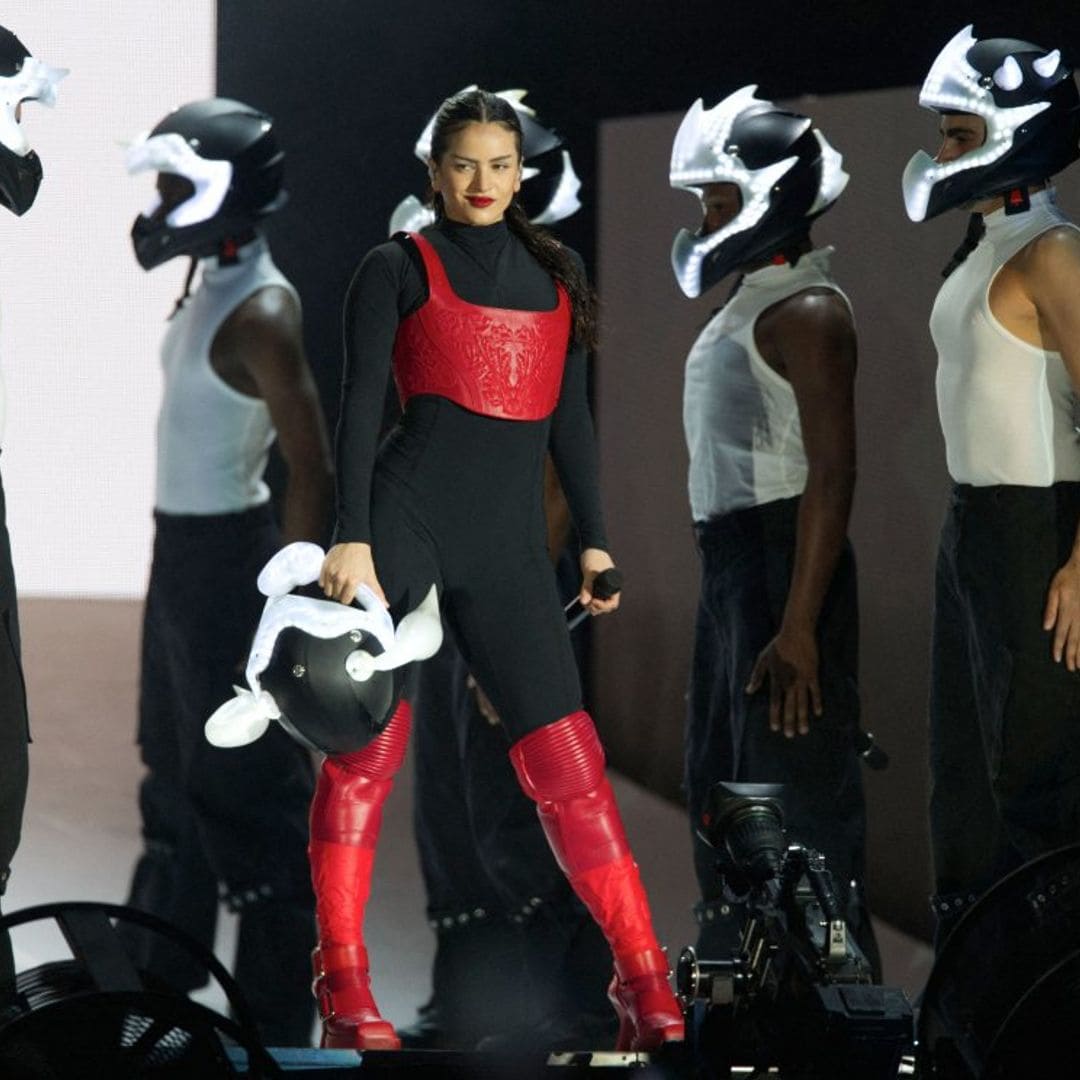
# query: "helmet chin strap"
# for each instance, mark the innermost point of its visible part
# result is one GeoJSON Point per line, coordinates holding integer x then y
{"type": "Point", "coordinates": [228, 254]}
{"type": "Point", "coordinates": [790, 251]}
{"type": "Point", "coordinates": [1017, 200]}
{"type": "Point", "coordinates": [975, 230]}
{"type": "Point", "coordinates": [187, 289]}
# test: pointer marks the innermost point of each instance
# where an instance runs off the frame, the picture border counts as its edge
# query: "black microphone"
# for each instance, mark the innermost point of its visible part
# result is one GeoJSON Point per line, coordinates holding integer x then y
{"type": "Point", "coordinates": [605, 585]}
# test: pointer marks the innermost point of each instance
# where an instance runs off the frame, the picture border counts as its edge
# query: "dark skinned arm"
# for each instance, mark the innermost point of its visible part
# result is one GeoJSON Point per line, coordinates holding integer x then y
{"type": "Point", "coordinates": [259, 351]}
{"type": "Point", "coordinates": [1050, 277]}
{"type": "Point", "coordinates": [809, 339]}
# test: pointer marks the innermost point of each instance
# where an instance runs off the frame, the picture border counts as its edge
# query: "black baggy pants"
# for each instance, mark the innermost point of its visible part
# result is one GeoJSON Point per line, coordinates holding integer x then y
{"type": "Point", "coordinates": [1004, 717]}
{"type": "Point", "coordinates": [13, 729]}
{"type": "Point", "coordinates": [234, 819]}
{"type": "Point", "coordinates": [747, 558]}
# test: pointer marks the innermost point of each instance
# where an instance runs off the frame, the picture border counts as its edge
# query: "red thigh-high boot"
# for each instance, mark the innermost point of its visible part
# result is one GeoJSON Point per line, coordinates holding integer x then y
{"type": "Point", "coordinates": [346, 814]}
{"type": "Point", "coordinates": [561, 767]}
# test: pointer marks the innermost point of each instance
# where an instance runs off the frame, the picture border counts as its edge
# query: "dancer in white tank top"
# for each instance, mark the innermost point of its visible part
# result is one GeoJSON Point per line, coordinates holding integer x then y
{"type": "Point", "coordinates": [1005, 693]}
{"type": "Point", "coordinates": [768, 410]}
{"type": "Point", "coordinates": [235, 378]}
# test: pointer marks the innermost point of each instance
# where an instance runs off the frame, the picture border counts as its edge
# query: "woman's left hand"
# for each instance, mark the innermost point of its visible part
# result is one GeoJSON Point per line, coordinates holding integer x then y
{"type": "Point", "coordinates": [594, 561]}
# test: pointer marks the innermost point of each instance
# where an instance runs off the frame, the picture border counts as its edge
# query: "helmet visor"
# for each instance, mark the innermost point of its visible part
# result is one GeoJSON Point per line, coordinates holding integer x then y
{"type": "Point", "coordinates": [950, 178]}
{"type": "Point", "coordinates": [172, 153]}
{"type": "Point", "coordinates": [690, 250]}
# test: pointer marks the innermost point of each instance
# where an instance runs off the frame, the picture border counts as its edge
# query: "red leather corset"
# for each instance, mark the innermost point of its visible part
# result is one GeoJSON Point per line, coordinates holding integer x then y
{"type": "Point", "coordinates": [494, 361]}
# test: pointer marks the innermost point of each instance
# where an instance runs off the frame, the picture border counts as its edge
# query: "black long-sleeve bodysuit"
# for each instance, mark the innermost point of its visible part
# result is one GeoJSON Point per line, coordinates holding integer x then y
{"type": "Point", "coordinates": [454, 497]}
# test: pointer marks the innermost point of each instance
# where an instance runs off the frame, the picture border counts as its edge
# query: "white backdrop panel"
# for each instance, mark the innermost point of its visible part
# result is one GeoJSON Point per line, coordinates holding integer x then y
{"type": "Point", "coordinates": [81, 320]}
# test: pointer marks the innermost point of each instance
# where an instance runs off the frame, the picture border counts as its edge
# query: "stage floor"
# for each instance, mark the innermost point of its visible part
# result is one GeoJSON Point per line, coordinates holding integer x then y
{"type": "Point", "coordinates": [80, 836]}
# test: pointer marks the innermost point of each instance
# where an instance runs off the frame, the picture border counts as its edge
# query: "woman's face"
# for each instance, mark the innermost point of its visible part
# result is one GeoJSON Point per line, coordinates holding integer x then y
{"type": "Point", "coordinates": [479, 174]}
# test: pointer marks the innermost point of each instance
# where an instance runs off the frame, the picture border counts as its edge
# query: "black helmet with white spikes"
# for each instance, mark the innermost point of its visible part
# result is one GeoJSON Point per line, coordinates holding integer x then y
{"type": "Point", "coordinates": [786, 172]}
{"type": "Point", "coordinates": [230, 154]}
{"type": "Point", "coordinates": [22, 78]}
{"type": "Point", "coordinates": [1028, 99]}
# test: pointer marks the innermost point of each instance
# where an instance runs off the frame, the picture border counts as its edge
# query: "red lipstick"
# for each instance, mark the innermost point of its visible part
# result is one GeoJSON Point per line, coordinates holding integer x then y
{"type": "Point", "coordinates": [479, 201]}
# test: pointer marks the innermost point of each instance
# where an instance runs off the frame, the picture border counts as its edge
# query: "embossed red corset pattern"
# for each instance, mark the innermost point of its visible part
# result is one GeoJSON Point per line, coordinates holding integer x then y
{"type": "Point", "coordinates": [495, 361]}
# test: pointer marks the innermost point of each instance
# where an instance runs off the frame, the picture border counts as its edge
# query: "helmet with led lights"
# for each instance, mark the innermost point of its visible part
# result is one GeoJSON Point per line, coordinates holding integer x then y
{"type": "Point", "coordinates": [549, 189]}
{"type": "Point", "coordinates": [230, 154]}
{"type": "Point", "coordinates": [786, 172]}
{"type": "Point", "coordinates": [22, 78]}
{"type": "Point", "coordinates": [1028, 99]}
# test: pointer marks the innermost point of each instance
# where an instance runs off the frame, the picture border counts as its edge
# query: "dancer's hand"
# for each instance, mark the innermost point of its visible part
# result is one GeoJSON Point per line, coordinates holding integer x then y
{"type": "Point", "coordinates": [347, 567]}
{"type": "Point", "coordinates": [1062, 615]}
{"type": "Point", "coordinates": [595, 561]}
{"type": "Point", "coordinates": [790, 661]}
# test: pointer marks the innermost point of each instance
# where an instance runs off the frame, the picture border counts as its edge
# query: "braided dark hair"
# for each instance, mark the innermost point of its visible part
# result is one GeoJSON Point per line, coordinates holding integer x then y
{"type": "Point", "coordinates": [483, 107]}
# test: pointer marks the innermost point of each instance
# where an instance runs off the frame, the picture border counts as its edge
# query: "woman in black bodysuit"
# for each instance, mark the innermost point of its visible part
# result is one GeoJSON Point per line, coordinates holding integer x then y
{"type": "Point", "coordinates": [477, 315]}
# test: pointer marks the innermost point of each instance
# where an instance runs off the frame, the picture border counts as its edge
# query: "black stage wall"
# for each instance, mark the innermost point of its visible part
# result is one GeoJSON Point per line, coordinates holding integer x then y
{"type": "Point", "coordinates": [352, 82]}
{"type": "Point", "coordinates": [351, 85]}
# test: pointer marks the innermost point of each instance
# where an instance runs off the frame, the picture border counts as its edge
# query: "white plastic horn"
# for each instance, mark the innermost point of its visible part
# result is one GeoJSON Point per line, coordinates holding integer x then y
{"type": "Point", "coordinates": [418, 637]}
{"type": "Point", "coordinates": [1009, 76]}
{"type": "Point", "coordinates": [1046, 65]}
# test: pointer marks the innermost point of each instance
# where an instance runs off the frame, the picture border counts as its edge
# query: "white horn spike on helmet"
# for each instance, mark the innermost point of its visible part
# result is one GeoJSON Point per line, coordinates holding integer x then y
{"type": "Point", "coordinates": [1048, 64]}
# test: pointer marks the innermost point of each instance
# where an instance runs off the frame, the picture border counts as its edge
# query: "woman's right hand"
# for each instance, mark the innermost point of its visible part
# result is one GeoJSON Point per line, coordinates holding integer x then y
{"type": "Point", "coordinates": [347, 567]}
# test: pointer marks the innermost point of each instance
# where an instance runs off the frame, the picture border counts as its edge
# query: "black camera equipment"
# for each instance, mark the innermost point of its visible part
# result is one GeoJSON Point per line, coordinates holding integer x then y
{"type": "Point", "coordinates": [97, 1015]}
{"type": "Point", "coordinates": [796, 992]}
{"type": "Point", "coordinates": [1001, 1000]}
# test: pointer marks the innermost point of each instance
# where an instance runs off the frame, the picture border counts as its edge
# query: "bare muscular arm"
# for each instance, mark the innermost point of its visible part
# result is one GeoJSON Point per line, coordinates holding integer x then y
{"type": "Point", "coordinates": [1049, 274]}
{"type": "Point", "coordinates": [259, 351]}
{"type": "Point", "coordinates": [810, 340]}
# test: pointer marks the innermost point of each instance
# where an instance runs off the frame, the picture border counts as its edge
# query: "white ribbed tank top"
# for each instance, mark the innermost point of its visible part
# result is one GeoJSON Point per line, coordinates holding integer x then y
{"type": "Point", "coordinates": [212, 440]}
{"type": "Point", "coordinates": [1006, 407]}
{"type": "Point", "coordinates": [740, 416]}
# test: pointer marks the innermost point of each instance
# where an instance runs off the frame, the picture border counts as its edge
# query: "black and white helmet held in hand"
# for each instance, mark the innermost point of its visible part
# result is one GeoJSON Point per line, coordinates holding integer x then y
{"type": "Point", "coordinates": [1028, 99]}
{"type": "Point", "coordinates": [22, 78]}
{"type": "Point", "coordinates": [328, 673]}
{"type": "Point", "coordinates": [549, 189]}
{"type": "Point", "coordinates": [786, 172]}
{"type": "Point", "coordinates": [229, 154]}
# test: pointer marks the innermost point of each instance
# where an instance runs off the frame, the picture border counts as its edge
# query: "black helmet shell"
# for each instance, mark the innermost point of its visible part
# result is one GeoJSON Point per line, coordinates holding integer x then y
{"type": "Point", "coordinates": [320, 704]}
{"type": "Point", "coordinates": [786, 172]}
{"type": "Point", "coordinates": [20, 167]}
{"type": "Point", "coordinates": [1027, 97]}
{"type": "Point", "coordinates": [218, 129]}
